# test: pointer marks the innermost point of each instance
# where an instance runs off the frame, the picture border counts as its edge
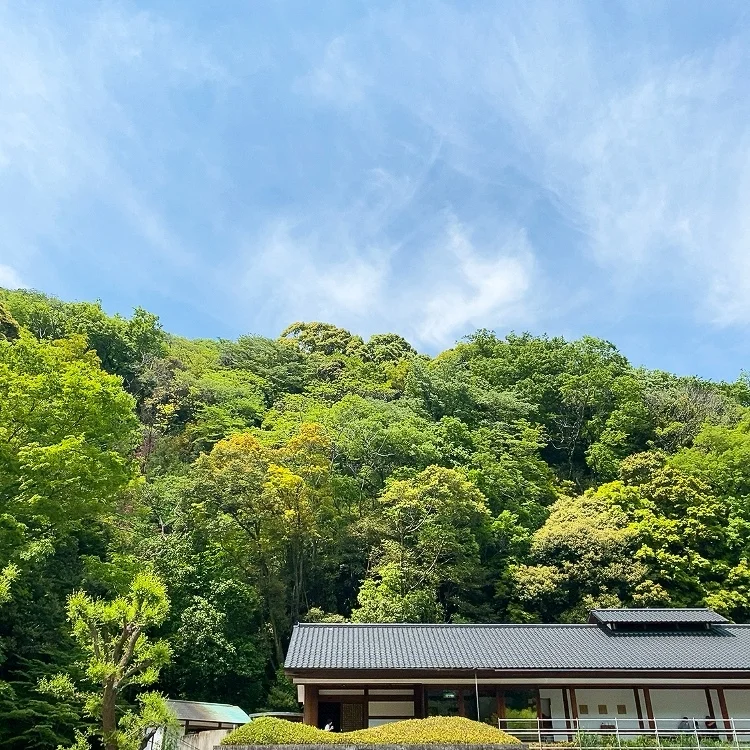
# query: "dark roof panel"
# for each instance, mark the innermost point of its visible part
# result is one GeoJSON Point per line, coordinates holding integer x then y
{"type": "Point", "coordinates": [514, 647]}
{"type": "Point", "coordinates": [657, 616]}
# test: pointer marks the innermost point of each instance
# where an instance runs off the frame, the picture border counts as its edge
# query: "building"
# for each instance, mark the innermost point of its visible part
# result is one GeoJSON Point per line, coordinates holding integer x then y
{"type": "Point", "coordinates": [637, 668]}
{"type": "Point", "coordinates": [202, 725]}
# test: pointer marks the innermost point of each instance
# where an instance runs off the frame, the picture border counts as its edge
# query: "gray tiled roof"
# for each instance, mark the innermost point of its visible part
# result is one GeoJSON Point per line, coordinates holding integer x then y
{"type": "Point", "coordinates": [657, 615]}
{"type": "Point", "coordinates": [514, 647]}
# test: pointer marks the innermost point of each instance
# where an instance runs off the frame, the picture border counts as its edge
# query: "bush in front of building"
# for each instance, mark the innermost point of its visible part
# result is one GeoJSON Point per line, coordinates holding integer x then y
{"type": "Point", "coordinates": [437, 730]}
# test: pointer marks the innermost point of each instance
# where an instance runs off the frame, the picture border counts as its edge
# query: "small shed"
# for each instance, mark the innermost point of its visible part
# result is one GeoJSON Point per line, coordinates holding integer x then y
{"type": "Point", "coordinates": [202, 725]}
{"type": "Point", "coordinates": [196, 716]}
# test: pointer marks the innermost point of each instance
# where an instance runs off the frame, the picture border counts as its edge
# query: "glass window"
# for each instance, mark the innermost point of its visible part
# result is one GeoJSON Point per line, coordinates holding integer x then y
{"type": "Point", "coordinates": [602, 709]}
{"type": "Point", "coordinates": [520, 704]}
{"type": "Point", "coordinates": [487, 705]}
{"type": "Point", "coordinates": [622, 708]}
{"type": "Point", "coordinates": [583, 708]}
{"type": "Point", "coordinates": [442, 702]}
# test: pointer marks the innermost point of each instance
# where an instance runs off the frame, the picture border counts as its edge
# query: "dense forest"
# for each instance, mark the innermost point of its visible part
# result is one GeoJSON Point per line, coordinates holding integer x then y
{"type": "Point", "coordinates": [322, 477]}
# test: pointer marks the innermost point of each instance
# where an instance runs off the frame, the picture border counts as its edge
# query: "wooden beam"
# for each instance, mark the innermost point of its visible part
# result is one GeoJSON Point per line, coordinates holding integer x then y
{"type": "Point", "coordinates": [723, 707]}
{"type": "Point", "coordinates": [310, 708]}
{"type": "Point", "coordinates": [649, 708]}
{"type": "Point", "coordinates": [710, 704]}
{"type": "Point", "coordinates": [638, 707]}
{"type": "Point", "coordinates": [566, 711]}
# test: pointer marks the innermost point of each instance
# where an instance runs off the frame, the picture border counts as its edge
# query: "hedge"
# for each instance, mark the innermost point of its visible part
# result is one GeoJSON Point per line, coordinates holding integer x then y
{"type": "Point", "coordinates": [437, 730]}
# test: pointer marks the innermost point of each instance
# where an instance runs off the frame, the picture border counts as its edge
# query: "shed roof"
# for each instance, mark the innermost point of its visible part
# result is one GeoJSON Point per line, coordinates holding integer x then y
{"type": "Point", "coordinates": [657, 616]}
{"type": "Point", "coordinates": [209, 713]}
{"type": "Point", "coordinates": [317, 647]}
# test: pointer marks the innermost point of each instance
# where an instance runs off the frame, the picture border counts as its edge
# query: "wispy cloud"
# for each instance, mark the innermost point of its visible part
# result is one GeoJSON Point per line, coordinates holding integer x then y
{"type": "Point", "coordinates": [336, 80]}
{"type": "Point", "coordinates": [454, 285]}
{"type": "Point", "coordinates": [9, 278]}
{"type": "Point", "coordinates": [84, 116]}
{"type": "Point", "coordinates": [385, 167]}
{"type": "Point", "coordinates": [299, 273]}
{"type": "Point", "coordinates": [490, 289]}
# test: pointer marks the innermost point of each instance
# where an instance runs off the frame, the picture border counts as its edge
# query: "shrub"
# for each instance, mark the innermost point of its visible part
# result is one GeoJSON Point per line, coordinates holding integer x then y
{"type": "Point", "coordinates": [437, 730]}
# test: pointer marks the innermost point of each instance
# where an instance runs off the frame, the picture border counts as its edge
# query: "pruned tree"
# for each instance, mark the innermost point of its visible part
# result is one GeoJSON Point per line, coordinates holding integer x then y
{"type": "Point", "coordinates": [119, 655]}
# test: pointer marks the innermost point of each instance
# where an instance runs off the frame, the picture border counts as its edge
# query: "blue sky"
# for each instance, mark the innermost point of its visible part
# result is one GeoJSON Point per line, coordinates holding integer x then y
{"type": "Point", "coordinates": [426, 168]}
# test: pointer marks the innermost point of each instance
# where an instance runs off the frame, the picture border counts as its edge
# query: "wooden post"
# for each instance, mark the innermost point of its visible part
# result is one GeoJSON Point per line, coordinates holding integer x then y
{"type": "Point", "coordinates": [723, 707]}
{"type": "Point", "coordinates": [710, 704]}
{"type": "Point", "coordinates": [649, 709]}
{"type": "Point", "coordinates": [366, 709]}
{"type": "Point", "coordinates": [419, 711]}
{"type": "Point", "coordinates": [310, 710]}
{"type": "Point", "coordinates": [574, 703]}
{"type": "Point", "coordinates": [501, 705]}
{"type": "Point", "coordinates": [460, 696]}
{"type": "Point", "coordinates": [638, 708]}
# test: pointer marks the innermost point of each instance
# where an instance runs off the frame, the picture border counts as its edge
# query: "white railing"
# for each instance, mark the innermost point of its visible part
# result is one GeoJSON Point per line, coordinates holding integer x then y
{"type": "Point", "coordinates": [619, 732]}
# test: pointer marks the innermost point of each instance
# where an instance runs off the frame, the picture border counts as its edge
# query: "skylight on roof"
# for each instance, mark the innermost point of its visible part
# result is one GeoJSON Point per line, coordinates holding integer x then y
{"type": "Point", "coordinates": [656, 619]}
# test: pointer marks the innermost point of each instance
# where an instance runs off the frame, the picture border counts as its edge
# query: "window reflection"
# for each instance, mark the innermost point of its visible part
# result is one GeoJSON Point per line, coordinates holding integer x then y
{"type": "Point", "coordinates": [520, 704]}
{"type": "Point", "coordinates": [442, 702]}
{"type": "Point", "coordinates": [487, 705]}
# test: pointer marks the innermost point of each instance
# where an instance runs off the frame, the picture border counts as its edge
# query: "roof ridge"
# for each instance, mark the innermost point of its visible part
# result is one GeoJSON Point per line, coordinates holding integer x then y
{"type": "Point", "coordinates": [446, 625]}
{"type": "Point", "coordinates": [652, 609]}
{"type": "Point", "coordinates": [202, 703]}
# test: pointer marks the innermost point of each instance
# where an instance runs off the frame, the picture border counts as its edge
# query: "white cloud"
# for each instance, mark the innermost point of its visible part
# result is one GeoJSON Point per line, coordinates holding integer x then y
{"type": "Point", "coordinates": [331, 274]}
{"type": "Point", "coordinates": [9, 278]}
{"type": "Point", "coordinates": [482, 291]}
{"type": "Point", "coordinates": [646, 155]}
{"type": "Point", "coordinates": [336, 79]}
{"type": "Point", "coordinates": [85, 128]}
{"type": "Point", "coordinates": [302, 274]}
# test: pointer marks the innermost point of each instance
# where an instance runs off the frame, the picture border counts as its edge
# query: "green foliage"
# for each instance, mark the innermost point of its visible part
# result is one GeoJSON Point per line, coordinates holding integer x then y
{"type": "Point", "coordinates": [122, 344]}
{"type": "Point", "coordinates": [7, 576]}
{"type": "Point", "coordinates": [322, 338]}
{"type": "Point", "coordinates": [326, 478]}
{"type": "Point", "coordinates": [9, 328]}
{"type": "Point", "coordinates": [118, 655]}
{"type": "Point", "coordinates": [437, 730]}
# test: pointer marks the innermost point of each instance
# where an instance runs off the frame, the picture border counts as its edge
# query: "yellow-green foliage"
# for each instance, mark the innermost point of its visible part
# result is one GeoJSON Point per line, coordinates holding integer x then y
{"type": "Point", "coordinates": [437, 730]}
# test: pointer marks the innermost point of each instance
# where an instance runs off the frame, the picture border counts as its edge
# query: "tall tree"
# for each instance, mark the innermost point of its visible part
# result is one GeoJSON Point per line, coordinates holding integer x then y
{"type": "Point", "coordinates": [119, 654]}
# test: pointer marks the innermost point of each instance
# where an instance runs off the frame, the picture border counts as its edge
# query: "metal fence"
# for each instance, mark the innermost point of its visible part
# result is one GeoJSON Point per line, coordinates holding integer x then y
{"type": "Point", "coordinates": [605, 732]}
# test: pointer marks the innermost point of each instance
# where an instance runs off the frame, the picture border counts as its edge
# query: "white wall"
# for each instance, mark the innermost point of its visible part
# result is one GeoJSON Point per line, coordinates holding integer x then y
{"type": "Point", "coordinates": [204, 740]}
{"type": "Point", "coordinates": [379, 722]}
{"type": "Point", "coordinates": [611, 698]}
{"type": "Point", "coordinates": [384, 712]}
{"type": "Point", "coordinates": [675, 704]}
{"type": "Point", "coordinates": [738, 703]}
{"type": "Point", "coordinates": [557, 708]}
{"type": "Point", "coordinates": [403, 709]}
{"type": "Point", "coordinates": [738, 708]}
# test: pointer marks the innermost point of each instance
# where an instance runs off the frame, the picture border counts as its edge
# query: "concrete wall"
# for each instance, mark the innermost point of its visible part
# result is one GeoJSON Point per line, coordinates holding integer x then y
{"type": "Point", "coordinates": [203, 740]}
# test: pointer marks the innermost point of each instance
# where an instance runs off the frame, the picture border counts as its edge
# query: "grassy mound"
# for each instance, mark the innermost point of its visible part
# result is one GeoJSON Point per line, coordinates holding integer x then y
{"type": "Point", "coordinates": [437, 730]}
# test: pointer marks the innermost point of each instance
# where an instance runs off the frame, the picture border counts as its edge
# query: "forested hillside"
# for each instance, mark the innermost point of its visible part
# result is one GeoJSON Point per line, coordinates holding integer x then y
{"type": "Point", "coordinates": [319, 476]}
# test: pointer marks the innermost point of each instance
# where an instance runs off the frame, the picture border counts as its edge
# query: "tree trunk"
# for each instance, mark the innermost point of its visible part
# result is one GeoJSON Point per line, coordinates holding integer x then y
{"type": "Point", "coordinates": [109, 716]}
